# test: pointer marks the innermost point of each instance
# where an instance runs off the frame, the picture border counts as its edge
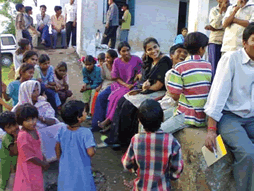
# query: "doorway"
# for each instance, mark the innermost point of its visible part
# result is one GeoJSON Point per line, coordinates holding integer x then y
{"type": "Point", "coordinates": [183, 15]}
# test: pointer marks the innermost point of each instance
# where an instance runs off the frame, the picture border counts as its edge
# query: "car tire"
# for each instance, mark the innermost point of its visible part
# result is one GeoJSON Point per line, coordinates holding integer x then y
{"type": "Point", "coordinates": [6, 60]}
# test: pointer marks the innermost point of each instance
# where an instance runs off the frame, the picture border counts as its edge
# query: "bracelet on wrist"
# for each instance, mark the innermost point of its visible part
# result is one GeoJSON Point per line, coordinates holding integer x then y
{"type": "Point", "coordinates": [212, 128]}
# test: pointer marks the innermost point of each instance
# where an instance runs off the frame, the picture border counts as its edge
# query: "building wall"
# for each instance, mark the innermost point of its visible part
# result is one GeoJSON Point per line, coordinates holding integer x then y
{"type": "Point", "coordinates": [152, 18]}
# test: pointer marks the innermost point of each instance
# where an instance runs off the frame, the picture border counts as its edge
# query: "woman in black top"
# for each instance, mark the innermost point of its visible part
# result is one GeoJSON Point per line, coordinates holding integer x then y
{"type": "Point", "coordinates": [125, 123]}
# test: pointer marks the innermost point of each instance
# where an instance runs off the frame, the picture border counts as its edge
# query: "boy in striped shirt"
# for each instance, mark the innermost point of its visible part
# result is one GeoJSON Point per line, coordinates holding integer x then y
{"type": "Point", "coordinates": [189, 84]}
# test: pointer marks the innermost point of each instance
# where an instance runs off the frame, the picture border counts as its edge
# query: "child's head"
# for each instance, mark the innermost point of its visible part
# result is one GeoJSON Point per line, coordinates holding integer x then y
{"type": "Point", "coordinates": [73, 112]}
{"type": "Point", "coordinates": [58, 10]}
{"type": "Point", "coordinates": [124, 49]}
{"type": "Point", "coordinates": [89, 62]}
{"type": "Point", "coordinates": [24, 45]}
{"type": "Point", "coordinates": [184, 31]}
{"type": "Point", "coordinates": [178, 53]}
{"type": "Point", "coordinates": [30, 57]}
{"type": "Point", "coordinates": [27, 116]}
{"type": "Point", "coordinates": [150, 114]}
{"type": "Point", "coordinates": [111, 55]}
{"type": "Point", "coordinates": [26, 71]}
{"type": "Point", "coordinates": [196, 43]}
{"type": "Point", "coordinates": [20, 7]}
{"type": "Point", "coordinates": [61, 70]}
{"type": "Point", "coordinates": [8, 122]}
{"type": "Point", "coordinates": [101, 58]}
{"type": "Point", "coordinates": [44, 61]}
{"type": "Point", "coordinates": [125, 7]}
{"type": "Point", "coordinates": [28, 10]}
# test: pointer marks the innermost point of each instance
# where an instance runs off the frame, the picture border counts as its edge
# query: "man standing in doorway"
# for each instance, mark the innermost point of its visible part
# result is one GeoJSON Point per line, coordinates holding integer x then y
{"type": "Point", "coordinates": [111, 24]}
{"type": "Point", "coordinates": [216, 36]}
{"type": "Point", "coordinates": [43, 23]}
{"type": "Point", "coordinates": [71, 22]}
{"type": "Point", "coordinates": [126, 23]}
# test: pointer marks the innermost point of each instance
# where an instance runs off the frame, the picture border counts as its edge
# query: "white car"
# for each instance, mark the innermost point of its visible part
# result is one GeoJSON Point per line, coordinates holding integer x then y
{"type": "Point", "coordinates": [8, 48]}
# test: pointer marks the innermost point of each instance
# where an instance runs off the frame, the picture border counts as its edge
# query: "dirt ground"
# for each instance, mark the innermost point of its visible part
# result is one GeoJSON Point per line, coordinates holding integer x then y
{"type": "Point", "coordinates": [106, 163]}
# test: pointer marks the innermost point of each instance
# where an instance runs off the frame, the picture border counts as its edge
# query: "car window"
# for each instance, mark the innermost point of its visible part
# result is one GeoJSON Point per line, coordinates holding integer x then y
{"type": "Point", "coordinates": [7, 40]}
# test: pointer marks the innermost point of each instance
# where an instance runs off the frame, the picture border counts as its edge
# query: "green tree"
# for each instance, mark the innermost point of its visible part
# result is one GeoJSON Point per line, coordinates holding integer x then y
{"type": "Point", "coordinates": [6, 11]}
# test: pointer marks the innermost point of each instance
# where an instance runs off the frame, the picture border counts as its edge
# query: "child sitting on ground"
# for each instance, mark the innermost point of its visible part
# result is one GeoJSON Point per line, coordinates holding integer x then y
{"type": "Point", "coordinates": [30, 57]}
{"type": "Point", "coordinates": [47, 76]}
{"type": "Point", "coordinates": [61, 79]}
{"type": "Point", "coordinates": [156, 154]}
{"type": "Point", "coordinates": [26, 72]}
{"type": "Point", "coordinates": [75, 143]}
{"type": "Point", "coordinates": [92, 80]}
{"type": "Point", "coordinates": [31, 162]}
{"type": "Point", "coordinates": [106, 68]}
{"type": "Point", "coordinates": [24, 45]}
{"type": "Point", "coordinates": [101, 59]}
{"type": "Point", "coordinates": [8, 148]}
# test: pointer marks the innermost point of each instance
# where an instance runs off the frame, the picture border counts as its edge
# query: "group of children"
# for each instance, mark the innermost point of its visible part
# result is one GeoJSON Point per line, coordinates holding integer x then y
{"type": "Point", "coordinates": [96, 77]}
{"type": "Point", "coordinates": [155, 154]}
{"type": "Point", "coordinates": [54, 82]}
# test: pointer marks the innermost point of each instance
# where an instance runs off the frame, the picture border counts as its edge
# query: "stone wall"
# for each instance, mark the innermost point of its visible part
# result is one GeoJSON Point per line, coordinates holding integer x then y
{"type": "Point", "coordinates": [196, 175]}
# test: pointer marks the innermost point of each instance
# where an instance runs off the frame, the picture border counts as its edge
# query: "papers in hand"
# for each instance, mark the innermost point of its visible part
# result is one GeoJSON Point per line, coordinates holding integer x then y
{"type": "Point", "coordinates": [217, 154]}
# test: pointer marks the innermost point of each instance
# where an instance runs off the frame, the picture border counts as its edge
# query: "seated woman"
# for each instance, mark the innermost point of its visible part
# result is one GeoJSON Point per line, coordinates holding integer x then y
{"type": "Point", "coordinates": [156, 64]}
{"type": "Point", "coordinates": [47, 124]}
{"type": "Point", "coordinates": [124, 71]}
{"type": "Point", "coordinates": [105, 89]}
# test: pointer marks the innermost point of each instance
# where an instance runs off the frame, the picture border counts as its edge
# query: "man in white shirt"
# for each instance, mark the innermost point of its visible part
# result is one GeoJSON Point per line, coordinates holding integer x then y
{"type": "Point", "coordinates": [71, 21]}
{"type": "Point", "coordinates": [230, 107]}
{"type": "Point", "coordinates": [217, 31]}
{"type": "Point", "coordinates": [236, 19]}
{"type": "Point", "coordinates": [43, 23]}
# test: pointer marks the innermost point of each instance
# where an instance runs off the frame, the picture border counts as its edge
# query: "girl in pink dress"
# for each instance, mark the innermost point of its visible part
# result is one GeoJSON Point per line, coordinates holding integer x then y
{"type": "Point", "coordinates": [31, 162]}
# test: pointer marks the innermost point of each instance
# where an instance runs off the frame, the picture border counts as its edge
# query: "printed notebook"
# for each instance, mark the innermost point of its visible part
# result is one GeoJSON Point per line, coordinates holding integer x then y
{"type": "Point", "coordinates": [212, 157]}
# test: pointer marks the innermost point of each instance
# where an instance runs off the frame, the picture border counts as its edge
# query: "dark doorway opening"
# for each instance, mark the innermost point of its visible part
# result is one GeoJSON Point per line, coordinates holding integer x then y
{"type": "Point", "coordinates": [182, 17]}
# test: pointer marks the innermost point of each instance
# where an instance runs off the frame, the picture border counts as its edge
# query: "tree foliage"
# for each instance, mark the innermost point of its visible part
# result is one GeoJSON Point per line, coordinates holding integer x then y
{"type": "Point", "coordinates": [7, 12]}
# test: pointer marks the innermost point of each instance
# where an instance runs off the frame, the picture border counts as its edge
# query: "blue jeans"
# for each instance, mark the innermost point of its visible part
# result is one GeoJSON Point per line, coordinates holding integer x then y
{"type": "Point", "coordinates": [45, 35]}
{"type": "Point", "coordinates": [238, 134]}
{"type": "Point", "coordinates": [100, 110]}
{"type": "Point", "coordinates": [124, 35]}
{"type": "Point", "coordinates": [63, 37]}
{"type": "Point", "coordinates": [214, 54]}
{"type": "Point", "coordinates": [174, 123]}
{"type": "Point", "coordinates": [27, 35]}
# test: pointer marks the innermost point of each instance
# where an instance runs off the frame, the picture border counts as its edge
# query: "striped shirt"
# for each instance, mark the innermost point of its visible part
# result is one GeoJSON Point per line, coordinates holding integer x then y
{"type": "Point", "coordinates": [191, 80]}
{"type": "Point", "coordinates": [159, 158]}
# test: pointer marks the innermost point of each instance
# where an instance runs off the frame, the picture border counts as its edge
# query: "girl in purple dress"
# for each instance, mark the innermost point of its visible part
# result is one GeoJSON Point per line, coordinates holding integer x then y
{"type": "Point", "coordinates": [124, 71]}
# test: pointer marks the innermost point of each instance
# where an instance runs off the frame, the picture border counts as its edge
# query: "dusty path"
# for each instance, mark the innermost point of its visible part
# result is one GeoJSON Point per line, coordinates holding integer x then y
{"type": "Point", "coordinates": [107, 162]}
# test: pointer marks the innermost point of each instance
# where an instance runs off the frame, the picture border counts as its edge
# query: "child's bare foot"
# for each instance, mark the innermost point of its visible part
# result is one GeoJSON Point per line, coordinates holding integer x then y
{"type": "Point", "coordinates": [128, 184]}
{"type": "Point", "coordinates": [104, 123]}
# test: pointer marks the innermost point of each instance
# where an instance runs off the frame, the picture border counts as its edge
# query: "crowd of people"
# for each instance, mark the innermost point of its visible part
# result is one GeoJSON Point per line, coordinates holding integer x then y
{"type": "Point", "coordinates": [135, 103]}
{"type": "Point", "coordinates": [63, 25]}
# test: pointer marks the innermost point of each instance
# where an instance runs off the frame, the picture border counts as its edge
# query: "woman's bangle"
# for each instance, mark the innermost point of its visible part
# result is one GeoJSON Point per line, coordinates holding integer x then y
{"type": "Point", "coordinates": [212, 128]}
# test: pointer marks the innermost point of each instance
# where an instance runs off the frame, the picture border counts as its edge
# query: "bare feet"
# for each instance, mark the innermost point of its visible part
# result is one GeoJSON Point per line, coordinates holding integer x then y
{"type": "Point", "coordinates": [104, 123]}
{"type": "Point", "coordinates": [128, 184]}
